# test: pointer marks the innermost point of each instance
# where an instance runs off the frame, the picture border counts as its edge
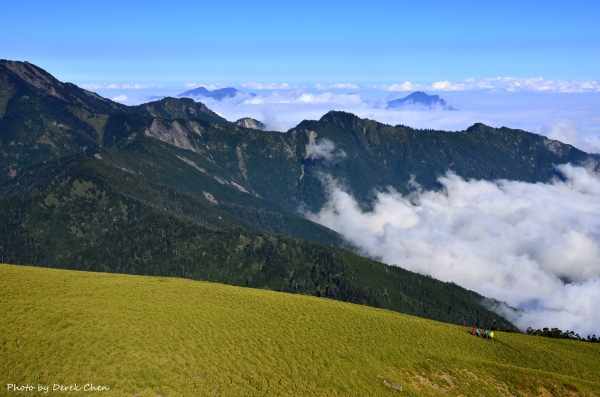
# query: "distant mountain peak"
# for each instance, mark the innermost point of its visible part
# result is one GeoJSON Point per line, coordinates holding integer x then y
{"type": "Point", "coordinates": [251, 123]}
{"type": "Point", "coordinates": [219, 95]}
{"type": "Point", "coordinates": [31, 74]}
{"type": "Point", "coordinates": [420, 98]}
{"type": "Point", "coordinates": [173, 108]}
{"type": "Point", "coordinates": [335, 116]}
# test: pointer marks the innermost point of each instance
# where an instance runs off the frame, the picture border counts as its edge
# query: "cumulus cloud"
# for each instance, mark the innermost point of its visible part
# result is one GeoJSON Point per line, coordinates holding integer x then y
{"type": "Point", "coordinates": [328, 98]}
{"type": "Point", "coordinates": [534, 246]}
{"type": "Point", "coordinates": [120, 98]}
{"type": "Point", "coordinates": [448, 86]}
{"type": "Point", "coordinates": [344, 86]}
{"type": "Point", "coordinates": [139, 86]}
{"type": "Point", "coordinates": [303, 97]}
{"type": "Point", "coordinates": [336, 86]}
{"type": "Point", "coordinates": [509, 84]}
{"type": "Point", "coordinates": [267, 86]}
{"type": "Point", "coordinates": [210, 87]}
{"type": "Point", "coordinates": [513, 84]}
{"type": "Point", "coordinates": [91, 86]}
{"type": "Point", "coordinates": [406, 86]}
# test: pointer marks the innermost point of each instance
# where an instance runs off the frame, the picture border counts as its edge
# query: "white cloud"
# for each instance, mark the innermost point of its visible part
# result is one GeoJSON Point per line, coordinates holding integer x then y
{"type": "Point", "coordinates": [510, 84]}
{"type": "Point", "coordinates": [514, 241]}
{"type": "Point", "coordinates": [210, 87]}
{"type": "Point", "coordinates": [120, 87]}
{"type": "Point", "coordinates": [561, 130]}
{"type": "Point", "coordinates": [303, 97]}
{"type": "Point", "coordinates": [324, 149]}
{"type": "Point", "coordinates": [120, 98]}
{"type": "Point", "coordinates": [90, 86]}
{"type": "Point", "coordinates": [267, 86]}
{"type": "Point", "coordinates": [567, 131]}
{"type": "Point", "coordinates": [336, 86]}
{"type": "Point", "coordinates": [344, 86]}
{"type": "Point", "coordinates": [327, 98]}
{"type": "Point", "coordinates": [447, 86]}
{"type": "Point", "coordinates": [139, 86]}
{"type": "Point", "coordinates": [406, 86]}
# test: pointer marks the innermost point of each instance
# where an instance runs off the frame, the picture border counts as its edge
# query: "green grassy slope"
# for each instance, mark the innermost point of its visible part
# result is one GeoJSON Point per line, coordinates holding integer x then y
{"type": "Point", "coordinates": [148, 336]}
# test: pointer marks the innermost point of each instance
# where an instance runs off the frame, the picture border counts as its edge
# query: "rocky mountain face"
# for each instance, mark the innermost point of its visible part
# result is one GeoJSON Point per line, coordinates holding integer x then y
{"type": "Point", "coordinates": [248, 122]}
{"type": "Point", "coordinates": [170, 188]}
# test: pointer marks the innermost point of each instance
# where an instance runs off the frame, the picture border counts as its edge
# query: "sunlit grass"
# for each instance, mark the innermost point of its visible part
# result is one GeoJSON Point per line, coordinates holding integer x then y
{"type": "Point", "coordinates": [167, 336]}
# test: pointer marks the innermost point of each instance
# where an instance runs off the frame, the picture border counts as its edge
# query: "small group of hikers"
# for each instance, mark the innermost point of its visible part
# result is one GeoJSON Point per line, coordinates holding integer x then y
{"type": "Point", "coordinates": [483, 333]}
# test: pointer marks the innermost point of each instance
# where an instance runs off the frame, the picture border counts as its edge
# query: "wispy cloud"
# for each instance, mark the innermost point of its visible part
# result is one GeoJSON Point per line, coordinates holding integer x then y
{"type": "Point", "coordinates": [324, 149]}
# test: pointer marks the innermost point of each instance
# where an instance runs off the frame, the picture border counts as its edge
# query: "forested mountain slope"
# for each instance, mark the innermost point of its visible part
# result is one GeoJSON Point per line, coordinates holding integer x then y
{"type": "Point", "coordinates": [171, 188]}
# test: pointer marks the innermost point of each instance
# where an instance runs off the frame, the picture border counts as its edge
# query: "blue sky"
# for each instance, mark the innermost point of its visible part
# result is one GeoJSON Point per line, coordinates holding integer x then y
{"type": "Point", "coordinates": [308, 42]}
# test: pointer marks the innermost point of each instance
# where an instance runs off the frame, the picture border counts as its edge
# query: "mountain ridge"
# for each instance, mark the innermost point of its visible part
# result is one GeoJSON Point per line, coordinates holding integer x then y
{"type": "Point", "coordinates": [140, 189]}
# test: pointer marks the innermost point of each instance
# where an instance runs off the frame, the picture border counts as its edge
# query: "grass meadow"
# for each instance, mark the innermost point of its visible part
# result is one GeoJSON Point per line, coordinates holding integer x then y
{"type": "Point", "coordinates": [151, 336]}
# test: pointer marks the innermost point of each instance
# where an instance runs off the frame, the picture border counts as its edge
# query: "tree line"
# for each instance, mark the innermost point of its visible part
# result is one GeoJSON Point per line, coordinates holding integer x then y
{"type": "Point", "coordinates": [558, 334]}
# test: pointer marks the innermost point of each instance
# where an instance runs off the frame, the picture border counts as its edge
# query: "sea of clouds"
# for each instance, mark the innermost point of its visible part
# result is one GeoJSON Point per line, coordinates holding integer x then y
{"type": "Point", "coordinates": [534, 246]}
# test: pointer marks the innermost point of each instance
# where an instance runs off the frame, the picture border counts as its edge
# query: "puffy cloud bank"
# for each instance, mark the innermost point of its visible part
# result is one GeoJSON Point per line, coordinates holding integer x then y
{"type": "Point", "coordinates": [533, 246]}
{"type": "Point", "coordinates": [510, 84]}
